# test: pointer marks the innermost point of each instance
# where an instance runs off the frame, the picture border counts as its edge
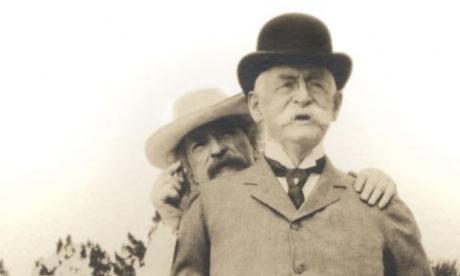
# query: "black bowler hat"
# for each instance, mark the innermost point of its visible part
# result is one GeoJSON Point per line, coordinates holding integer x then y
{"type": "Point", "coordinates": [293, 39]}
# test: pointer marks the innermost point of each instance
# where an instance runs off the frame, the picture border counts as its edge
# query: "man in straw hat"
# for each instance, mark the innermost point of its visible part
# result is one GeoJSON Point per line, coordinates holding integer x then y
{"type": "Point", "coordinates": [211, 136]}
{"type": "Point", "coordinates": [292, 212]}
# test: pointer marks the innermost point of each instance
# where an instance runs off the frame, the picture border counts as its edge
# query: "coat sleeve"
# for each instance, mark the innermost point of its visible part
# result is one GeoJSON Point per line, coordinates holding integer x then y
{"type": "Point", "coordinates": [192, 251]}
{"type": "Point", "coordinates": [403, 251]}
{"type": "Point", "coordinates": [160, 251]}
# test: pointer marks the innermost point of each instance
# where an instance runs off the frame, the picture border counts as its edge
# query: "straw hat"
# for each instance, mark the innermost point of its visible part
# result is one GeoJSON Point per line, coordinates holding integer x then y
{"type": "Point", "coordinates": [191, 111]}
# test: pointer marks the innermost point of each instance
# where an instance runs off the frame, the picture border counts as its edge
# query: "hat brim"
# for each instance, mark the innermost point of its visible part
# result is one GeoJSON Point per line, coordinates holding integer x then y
{"type": "Point", "coordinates": [253, 64]}
{"type": "Point", "coordinates": [161, 145]}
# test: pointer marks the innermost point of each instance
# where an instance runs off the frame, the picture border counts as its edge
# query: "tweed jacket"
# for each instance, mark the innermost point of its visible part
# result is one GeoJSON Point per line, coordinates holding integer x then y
{"type": "Point", "coordinates": [246, 225]}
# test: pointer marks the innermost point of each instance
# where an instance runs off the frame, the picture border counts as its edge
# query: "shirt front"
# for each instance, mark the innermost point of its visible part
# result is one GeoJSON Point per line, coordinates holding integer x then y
{"type": "Point", "coordinates": [275, 151]}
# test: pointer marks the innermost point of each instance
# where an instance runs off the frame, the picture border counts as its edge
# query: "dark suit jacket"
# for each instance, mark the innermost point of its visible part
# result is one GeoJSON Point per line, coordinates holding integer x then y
{"type": "Point", "coordinates": [246, 225]}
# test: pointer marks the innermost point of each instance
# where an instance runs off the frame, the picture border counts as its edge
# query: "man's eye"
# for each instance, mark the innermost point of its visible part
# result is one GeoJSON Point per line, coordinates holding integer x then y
{"type": "Point", "coordinates": [286, 86]}
{"type": "Point", "coordinates": [228, 132]}
{"type": "Point", "coordinates": [317, 84]}
{"type": "Point", "coordinates": [197, 146]}
{"type": "Point", "coordinates": [289, 84]}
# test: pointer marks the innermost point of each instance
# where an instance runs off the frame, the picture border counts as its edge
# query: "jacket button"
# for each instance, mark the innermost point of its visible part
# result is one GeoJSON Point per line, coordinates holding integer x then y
{"type": "Point", "coordinates": [295, 226]}
{"type": "Point", "coordinates": [299, 269]}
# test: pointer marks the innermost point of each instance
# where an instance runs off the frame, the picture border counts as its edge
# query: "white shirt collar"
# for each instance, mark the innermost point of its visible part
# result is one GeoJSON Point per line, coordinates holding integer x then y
{"type": "Point", "coordinates": [276, 152]}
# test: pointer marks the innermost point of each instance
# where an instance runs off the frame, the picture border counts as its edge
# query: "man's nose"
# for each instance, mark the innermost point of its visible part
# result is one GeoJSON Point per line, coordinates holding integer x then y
{"type": "Point", "coordinates": [217, 149]}
{"type": "Point", "coordinates": [302, 95]}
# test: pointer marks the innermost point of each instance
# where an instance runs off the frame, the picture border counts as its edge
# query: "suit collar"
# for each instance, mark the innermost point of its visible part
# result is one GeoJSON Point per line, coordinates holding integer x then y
{"type": "Point", "coordinates": [267, 190]}
{"type": "Point", "coordinates": [276, 152]}
{"type": "Point", "coordinates": [327, 191]}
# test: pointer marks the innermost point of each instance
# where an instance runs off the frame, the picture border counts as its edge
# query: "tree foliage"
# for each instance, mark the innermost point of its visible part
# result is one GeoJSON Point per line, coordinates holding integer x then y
{"type": "Point", "coordinates": [3, 271]}
{"type": "Point", "coordinates": [446, 268]}
{"type": "Point", "coordinates": [89, 259]}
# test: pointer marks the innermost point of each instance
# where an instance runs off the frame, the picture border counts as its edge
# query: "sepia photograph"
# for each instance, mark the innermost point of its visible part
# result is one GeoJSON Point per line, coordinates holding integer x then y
{"type": "Point", "coordinates": [156, 138]}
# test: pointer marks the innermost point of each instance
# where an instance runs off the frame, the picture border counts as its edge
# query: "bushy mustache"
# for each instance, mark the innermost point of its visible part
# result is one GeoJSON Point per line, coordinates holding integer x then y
{"type": "Point", "coordinates": [317, 115]}
{"type": "Point", "coordinates": [234, 162]}
{"type": "Point", "coordinates": [320, 116]}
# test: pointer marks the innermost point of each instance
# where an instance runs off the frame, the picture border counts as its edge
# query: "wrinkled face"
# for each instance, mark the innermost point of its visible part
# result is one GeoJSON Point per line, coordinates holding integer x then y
{"type": "Point", "coordinates": [216, 149]}
{"type": "Point", "coordinates": [295, 104]}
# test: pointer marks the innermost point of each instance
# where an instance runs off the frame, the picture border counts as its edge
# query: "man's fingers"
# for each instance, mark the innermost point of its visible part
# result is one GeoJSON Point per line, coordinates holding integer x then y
{"type": "Point", "coordinates": [375, 186]}
{"type": "Point", "coordinates": [369, 186]}
{"type": "Point", "coordinates": [359, 182]}
{"type": "Point", "coordinates": [352, 174]}
{"type": "Point", "coordinates": [172, 194]}
{"type": "Point", "coordinates": [376, 194]}
{"type": "Point", "coordinates": [181, 175]}
{"type": "Point", "coordinates": [170, 184]}
{"type": "Point", "coordinates": [170, 175]}
{"type": "Point", "coordinates": [387, 196]}
{"type": "Point", "coordinates": [178, 176]}
{"type": "Point", "coordinates": [176, 185]}
{"type": "Point", "coordinates": [173, 167]}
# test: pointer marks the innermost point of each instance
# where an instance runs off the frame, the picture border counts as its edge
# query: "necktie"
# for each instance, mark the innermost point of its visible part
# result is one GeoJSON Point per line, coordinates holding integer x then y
{"type": "Point", "coordinates": [296, 178]}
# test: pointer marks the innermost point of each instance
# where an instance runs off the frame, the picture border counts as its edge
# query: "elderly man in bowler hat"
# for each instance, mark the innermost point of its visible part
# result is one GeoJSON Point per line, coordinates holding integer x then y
{"type": "Point", "coordinates": [209, 126]}
{"type": "Point", "coordinates": [293, 212]}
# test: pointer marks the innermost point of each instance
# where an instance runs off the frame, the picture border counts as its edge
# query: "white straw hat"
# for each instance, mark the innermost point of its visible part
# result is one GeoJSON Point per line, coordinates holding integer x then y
{"type": "Point", "coordinates": [191, 111]}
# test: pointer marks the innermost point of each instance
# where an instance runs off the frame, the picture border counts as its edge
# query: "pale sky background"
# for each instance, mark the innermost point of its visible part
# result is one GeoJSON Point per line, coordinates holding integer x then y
{"type": "Point", "coordinates": [83, 83]}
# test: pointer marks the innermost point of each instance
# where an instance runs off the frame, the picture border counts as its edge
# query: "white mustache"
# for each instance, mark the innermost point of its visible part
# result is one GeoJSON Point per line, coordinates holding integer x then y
{"type": "Point", "coordinates": [322, 117]}
{"type": "Point", "coordinates": [315, 114]}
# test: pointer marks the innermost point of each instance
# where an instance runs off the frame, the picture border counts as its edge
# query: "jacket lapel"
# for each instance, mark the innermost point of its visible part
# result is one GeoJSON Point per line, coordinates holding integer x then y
{"type": "Point", "coordinates": [327, 191]}
{"type": "Point", "coordinates": [267, 190]}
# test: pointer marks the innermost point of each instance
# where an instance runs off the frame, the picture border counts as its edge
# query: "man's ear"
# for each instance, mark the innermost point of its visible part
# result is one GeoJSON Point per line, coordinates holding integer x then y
{"type": "Point", "coordinates": [337, 103]}
{"type": "Point", "coordinates": [254, 106]}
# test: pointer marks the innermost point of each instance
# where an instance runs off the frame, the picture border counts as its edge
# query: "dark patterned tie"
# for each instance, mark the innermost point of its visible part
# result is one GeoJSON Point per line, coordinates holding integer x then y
{"type": "Point", "coordinates": [296, 178]}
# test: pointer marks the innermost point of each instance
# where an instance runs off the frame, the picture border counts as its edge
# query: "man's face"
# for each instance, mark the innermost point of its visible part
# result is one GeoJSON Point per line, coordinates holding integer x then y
{"type": "Point", "coordinates": [216, 149]}
{"type": "Point", "coordinates": [295, 104]}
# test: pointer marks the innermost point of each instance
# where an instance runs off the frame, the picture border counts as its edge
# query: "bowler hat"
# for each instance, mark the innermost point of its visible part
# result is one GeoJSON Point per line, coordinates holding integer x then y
{"type": "Point", "coordinates": [293, 39]}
